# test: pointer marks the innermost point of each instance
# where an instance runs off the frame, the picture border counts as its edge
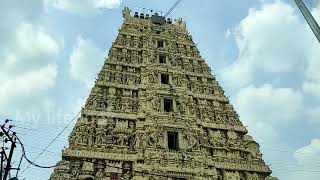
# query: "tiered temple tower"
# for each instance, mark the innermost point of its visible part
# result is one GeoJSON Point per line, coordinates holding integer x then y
{"type": "Point", "coordinates": [157, 113]}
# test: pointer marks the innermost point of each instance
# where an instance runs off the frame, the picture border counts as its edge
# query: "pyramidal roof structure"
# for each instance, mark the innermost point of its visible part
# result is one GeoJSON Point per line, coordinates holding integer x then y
{"type": "Point", "coordinates": [156, 112]}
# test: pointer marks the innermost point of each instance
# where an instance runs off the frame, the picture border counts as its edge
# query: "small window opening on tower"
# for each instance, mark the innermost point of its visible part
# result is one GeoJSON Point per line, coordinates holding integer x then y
{"type": "Point", "coordinates": [142, 119]}
{"type": "Point", "coordinates": [173, 140]}
{"type": "Point", "coordinates": [167, 105]}
{"type": "Point", "coordinates": [212, 152]}
{"type": "Point", "coordinates": [114, 176]}
{"type": "Point", "coordinates": [164, 79]}
{"type": "Point", "coordinates": [158, 32]}
{"type": "Point", "coordinates": [162, 59]}
{"type": "Point", "coordinates": [89, 178]}
{"type": "Point", "coordinates": [160, 44]}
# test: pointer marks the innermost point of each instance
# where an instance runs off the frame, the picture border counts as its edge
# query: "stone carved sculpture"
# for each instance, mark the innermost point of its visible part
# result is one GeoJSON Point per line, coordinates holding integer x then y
{"type": "Point", "coordinates": [87, 166]}
{"type": "Point", "coordinates": [126, 13]}
{"type": "Point", "coordinates": [123, 127]}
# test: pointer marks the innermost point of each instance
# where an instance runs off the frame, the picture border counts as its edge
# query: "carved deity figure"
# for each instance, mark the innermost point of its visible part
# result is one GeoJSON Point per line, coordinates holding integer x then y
{"type": "Point", "coordinates": [90, 135]}
{"type": "Point", "coordinates": [218, 117]}
{"type": "Point", "coordinates": [63, 165]}
{"type": "Point", "coordinates": [232, 138]}
{"type": "Point", "coordinates": [192, 140]}
{"type": "Point", "coordinates": [88, 166]}
{"type": "Point", "coordinates": [253, 147]}
{"type": "Point", "coordinates": [100, 136]}
{"type": "Point", "coordinates": [118, 104]}
{"type": "Point", "coordinates": [100, 173]}
{"type": "Point", "coordinates": [152, 139]}
{"type": "Point", "coordinates": [252, 176]}
{"type": "Point", "coordinates": [121, 139]}
{"type": "Point", "coordinates": [229, 175]}
{"type": "Point", "coordinates": [155, 101]}
{"type": "Point", "coordinates": [126, 13]}
{"type": "Point", "coordinates": [138, 140]}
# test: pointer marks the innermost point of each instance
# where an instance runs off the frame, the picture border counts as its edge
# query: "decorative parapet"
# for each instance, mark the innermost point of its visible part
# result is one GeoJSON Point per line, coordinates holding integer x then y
{"type": "Point", "coordinates": [179, 24]}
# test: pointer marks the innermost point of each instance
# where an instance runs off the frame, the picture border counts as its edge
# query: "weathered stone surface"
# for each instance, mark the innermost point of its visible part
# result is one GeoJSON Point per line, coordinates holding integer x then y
{"type": "Point", "coordinates": [156, 112]}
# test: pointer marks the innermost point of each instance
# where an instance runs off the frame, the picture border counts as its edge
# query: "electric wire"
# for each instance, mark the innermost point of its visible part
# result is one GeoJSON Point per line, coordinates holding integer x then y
{"type": "Point", "coordinates": [24, 155]}
{"type": "Point", "coordinates": [148, 9]}
{"type": "Point", "coordinates": [56, 154]}
{"type": "Point", "coordinates": [29, 161]}
{"type": "Point", "coordinates": [34, 152]}
{"type": "Point", "coordinates": [267, 149]}
{"type": "Point", "coordinates": [32, 162]}
{"type": "Point", "coordinates": [173, 6]}
{"type": "Point", "coordinates": [156, 174]}
{"type": "Point", "coordinates": [289, 164]}
{"type": "Point", "coordinates": [32, 129]}
{"type": "Point", "coordinates": [39, 137]}
{"type": "Point", "coordinates": [142, 172]}
{"type": "Point", "coordinates": [44, 124]}
{"type": "Point", "coordinates": [41, 149]}
{"type": "Point", "coordinates": [287, 151]}
{"type": "Point", "coordinates": [303, 170]}
{"type": "Point", "coordinates": [44, 150]}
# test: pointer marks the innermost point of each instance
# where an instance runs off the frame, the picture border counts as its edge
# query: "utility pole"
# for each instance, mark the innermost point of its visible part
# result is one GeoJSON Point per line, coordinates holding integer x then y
{"type": "Point", "coordinates": [1, 165]}
{"type": "Point", "coordinates": [309, 18]}
{"type": "Point", "coordinates": [8, 166]}
{"type": "Point", "coordinates": [8, 137]}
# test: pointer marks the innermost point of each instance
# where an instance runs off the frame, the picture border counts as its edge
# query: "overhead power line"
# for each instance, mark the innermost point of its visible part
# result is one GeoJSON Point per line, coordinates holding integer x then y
{"type": "Point", "coordinates": [38, 137]}
{"type": "Point", "coordinates": [289, 164]}
{"type": "Point", "coordinates": [41, 149]}
{"type": "Point", "coordinates": [303, 170]}
{"type": "Point", "coordinates": [43, 124]}
{"type": "Point", "coordinates": [34, 130]}
{"type": "Point", "coordinates": [287, 151]}
{"type": "Point", "coordinates": [136, 171]}
{"type": "Point", "coordinates": [34, 152]}
{"type": "Point", "coordinates": [35, 148]}
{"type": "Point", "coordinates": [172, 7]}
{"type": "Point", "coordinates": [32, 162]}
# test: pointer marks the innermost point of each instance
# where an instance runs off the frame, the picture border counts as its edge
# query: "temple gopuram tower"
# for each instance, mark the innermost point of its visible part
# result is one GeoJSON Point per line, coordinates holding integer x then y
{"type": "Point", "coordinates": [157, 113]}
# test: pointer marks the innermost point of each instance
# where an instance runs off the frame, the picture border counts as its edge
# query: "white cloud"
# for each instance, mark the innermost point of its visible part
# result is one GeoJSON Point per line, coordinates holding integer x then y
{"type": "Point", "coordinates": [270, 40]}
{"type": "Point", "coordinates": [227, 34]}
{"type": "Point", "coordinates": [29, 63]}
{"type": "Point", "coordinates": [308, 154]}
{"type": "Point", "coordinates": [86, 60]}
{"type": "Point", "coordinates": [27, 84]}
{"type": "Point", "coordinates": [276, 44]}
{"type": "Point", "coordinates": [313, 115]}
{"type": "Point", "coordinates": [263, 132]}
{"type": "Point", "coordinates": [268, 104]}
{"type": "Point", "coordinates": [83, 8]}
{"type": "Point", "coordinates": [262, 110]}
{"type": "Point", "coordinates": [308, 157]}
{"type": "Point", "coordinates": [312, 87]}
{"type": "Point", "coordinates": [312, 73]}
{"type": "Point", "coordinates": [33, 48]}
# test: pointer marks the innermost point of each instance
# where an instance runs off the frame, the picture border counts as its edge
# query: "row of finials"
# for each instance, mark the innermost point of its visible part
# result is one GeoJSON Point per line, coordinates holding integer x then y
{"type": "Point", "coordinates": [147, 16]}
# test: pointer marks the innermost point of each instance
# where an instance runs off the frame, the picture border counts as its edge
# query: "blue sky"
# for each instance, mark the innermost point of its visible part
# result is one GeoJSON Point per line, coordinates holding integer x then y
{"type": "Point", "coordinates": [261, 51]}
